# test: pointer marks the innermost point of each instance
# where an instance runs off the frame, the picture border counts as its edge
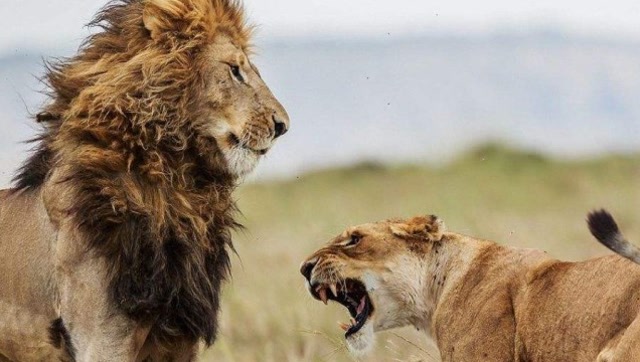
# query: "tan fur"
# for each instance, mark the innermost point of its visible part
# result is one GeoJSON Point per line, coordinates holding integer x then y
{"type": "Point", "coordinates": [480, 301]}
{"type": "Point", "coordinates": [119, 225]}
{"type": "Point", "coordinates": [26, 279]}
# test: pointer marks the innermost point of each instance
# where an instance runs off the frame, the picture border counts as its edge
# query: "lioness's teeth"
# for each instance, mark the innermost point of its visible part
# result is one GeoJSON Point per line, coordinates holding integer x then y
{"type": "Point", "coordinates": [353, 321]}
{"type": "Point", "coordinates": [334, 289]}
{"type": "Point", "coordinates": [322, 292]}
{"type": "Point", "coordinates": [345, 327]}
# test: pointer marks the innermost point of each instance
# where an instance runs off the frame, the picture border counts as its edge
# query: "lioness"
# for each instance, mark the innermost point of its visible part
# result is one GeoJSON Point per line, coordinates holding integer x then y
{"type": "Point", "coordinates": [479, 301]}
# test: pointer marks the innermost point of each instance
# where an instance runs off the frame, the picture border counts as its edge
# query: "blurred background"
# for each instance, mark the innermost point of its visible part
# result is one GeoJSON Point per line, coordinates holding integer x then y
{"type": "Point", "coordinates": [510, 120]}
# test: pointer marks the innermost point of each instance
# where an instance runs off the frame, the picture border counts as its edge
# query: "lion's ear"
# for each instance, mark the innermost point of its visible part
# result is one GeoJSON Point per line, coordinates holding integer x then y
{"type": "Point", "coordinates": [160, 16]}
{"type": "Point", "coordinates": [429, 228]}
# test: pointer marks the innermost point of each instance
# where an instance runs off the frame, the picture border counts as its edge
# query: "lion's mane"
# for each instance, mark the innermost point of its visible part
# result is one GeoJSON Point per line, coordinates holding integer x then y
{"type": "Point", "coordinates": [150, 194]}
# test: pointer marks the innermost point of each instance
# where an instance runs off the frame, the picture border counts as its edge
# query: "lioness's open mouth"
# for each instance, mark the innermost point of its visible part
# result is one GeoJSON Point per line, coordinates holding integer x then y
{"type": "Point", "coordinates": [352, 294]}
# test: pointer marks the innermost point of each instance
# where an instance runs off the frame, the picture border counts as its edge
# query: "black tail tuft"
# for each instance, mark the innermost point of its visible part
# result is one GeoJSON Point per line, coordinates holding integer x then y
{"type": "Point", "coordinates": [603, 226]}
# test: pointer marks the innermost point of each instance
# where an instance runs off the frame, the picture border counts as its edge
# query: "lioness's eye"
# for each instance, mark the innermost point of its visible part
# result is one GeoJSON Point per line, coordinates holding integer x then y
{"type": "Point", "coordinates": [235, 70]}
{"type": "Point", "coordinates": [355, 239]}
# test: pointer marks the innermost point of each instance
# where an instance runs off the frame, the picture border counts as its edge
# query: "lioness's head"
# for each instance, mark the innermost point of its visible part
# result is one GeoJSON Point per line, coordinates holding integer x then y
{"type": "Point", "coordinates": [374, 270]}
{"type": "Point", "coordinates": [235, 107]}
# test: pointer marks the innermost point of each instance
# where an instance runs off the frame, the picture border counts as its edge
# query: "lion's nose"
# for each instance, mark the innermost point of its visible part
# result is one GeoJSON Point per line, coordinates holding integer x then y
{"type": "Point", "coordinates": [307, 267]}
{"type": "Point", "coordinates": [280, 126]}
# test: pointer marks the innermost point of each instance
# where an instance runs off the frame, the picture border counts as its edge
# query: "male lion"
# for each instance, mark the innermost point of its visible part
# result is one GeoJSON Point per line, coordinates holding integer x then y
{"type": "Point", "coordinates": [115, 239]}
{"type": "Point", "coordinates": [479, 301]}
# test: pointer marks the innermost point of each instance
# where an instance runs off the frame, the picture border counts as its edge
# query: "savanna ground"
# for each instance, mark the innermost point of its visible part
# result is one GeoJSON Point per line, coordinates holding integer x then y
{"type": "Point", "coordinates": [512, 197]}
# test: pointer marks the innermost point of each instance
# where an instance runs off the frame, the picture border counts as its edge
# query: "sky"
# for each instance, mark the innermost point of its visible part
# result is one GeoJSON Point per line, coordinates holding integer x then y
{"type": "Point", "coordinates": [464, 80]}
{"type": "Point", "coordinates": [59, 23]}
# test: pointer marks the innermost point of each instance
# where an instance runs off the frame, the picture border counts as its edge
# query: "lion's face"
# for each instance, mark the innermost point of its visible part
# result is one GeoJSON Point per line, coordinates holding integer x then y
{"type": "Point", "coordinates": [374, 270]}
{"type": "Point", "coordinates": [240, 112]}
{"type": "Point", "coordinates": [237, 108]}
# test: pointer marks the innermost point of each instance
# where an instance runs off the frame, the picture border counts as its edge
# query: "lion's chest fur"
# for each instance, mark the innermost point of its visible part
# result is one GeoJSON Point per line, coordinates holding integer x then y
{"type": "Point", "coordinates": [165, 247]}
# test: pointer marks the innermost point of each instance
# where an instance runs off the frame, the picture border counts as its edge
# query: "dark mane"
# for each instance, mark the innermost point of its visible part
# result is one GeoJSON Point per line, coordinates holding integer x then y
{"type": "Point", "coordinates": [33, 172]}
{"type": "Point", "coordinates": [149, 193]}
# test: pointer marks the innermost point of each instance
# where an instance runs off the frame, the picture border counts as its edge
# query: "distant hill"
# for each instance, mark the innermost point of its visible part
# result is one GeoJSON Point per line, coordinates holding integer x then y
{"type": "Point", "coordinates": [416, 98]}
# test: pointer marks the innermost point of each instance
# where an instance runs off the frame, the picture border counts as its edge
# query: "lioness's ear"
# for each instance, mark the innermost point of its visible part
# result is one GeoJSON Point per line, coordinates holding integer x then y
{"type": "Point", "coordinates": [429, 228]}
{"type": "Point", "coordinates": [160, 16]}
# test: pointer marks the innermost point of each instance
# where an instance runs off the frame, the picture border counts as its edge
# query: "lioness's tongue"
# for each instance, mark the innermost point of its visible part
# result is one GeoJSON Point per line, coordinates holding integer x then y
{"type": "Point", "coordinates": [361, 306]}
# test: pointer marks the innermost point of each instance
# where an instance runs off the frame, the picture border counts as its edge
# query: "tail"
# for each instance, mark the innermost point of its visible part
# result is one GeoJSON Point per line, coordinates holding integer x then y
{"type": "Point", "coordinates": [604, 228]}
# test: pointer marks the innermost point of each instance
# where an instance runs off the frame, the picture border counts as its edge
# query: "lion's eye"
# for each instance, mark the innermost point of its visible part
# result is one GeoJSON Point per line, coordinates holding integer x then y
{"type": "Point", "coordinates": [235, 70]}
{"type": "Point", "coordinates": [354, 240]}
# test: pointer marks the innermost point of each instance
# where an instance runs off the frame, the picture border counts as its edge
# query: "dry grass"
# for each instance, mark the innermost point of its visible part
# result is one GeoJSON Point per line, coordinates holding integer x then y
{"type": "Point", "coordinates": [511, 197]}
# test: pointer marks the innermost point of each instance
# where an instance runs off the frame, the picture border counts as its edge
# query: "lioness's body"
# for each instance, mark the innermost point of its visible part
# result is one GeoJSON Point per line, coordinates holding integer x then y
{"type": "Point", "coordinates": [513, 304]}
{"type": "Point", "coordinates": [480, 301]}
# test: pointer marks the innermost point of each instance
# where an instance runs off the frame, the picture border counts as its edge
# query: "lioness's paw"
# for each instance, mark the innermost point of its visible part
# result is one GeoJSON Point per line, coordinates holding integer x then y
{"type": "Point", "coordinates": [429, 228]}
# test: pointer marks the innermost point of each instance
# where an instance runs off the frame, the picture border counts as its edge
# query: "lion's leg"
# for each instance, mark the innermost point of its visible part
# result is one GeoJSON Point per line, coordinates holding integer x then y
{"type": "Point", "coordinates": [97, 330]}
{"type": "Point", "coordinates": [24, 336]}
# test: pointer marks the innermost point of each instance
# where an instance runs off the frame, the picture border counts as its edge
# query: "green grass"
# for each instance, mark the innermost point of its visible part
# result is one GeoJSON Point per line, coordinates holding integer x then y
{"type": "Point", "coordinates": [515, 198]}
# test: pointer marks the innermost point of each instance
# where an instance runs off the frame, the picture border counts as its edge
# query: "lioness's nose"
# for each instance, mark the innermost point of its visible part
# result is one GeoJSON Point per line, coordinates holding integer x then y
{"type": "Point", "coordinates": [307, 267]}
{"type": "Point", "coordinates": [280, 126]}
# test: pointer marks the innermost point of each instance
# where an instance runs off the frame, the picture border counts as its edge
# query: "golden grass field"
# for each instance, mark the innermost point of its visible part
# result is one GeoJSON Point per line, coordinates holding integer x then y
{"type": "Point", "coordinates": [512, 197]}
